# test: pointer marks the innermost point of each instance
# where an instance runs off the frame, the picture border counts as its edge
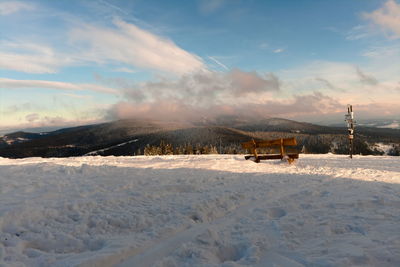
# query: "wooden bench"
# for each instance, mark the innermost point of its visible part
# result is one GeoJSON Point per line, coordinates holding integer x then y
{"type": "Point", "coordinates": [253, 145]}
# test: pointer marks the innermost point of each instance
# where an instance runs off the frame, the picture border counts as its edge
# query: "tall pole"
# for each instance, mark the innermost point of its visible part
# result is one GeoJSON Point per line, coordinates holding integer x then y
{"type": "Point", "coordinates": [349, 118]}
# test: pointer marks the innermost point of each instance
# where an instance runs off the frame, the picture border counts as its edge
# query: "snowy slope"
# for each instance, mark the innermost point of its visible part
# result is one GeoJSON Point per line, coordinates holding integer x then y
{"type": "Point", "coordinates": [216, 210]}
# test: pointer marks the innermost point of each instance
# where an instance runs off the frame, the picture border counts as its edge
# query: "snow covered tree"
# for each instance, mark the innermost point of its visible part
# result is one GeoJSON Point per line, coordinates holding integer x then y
{"type": "Point", "coordinates": [213, 150]}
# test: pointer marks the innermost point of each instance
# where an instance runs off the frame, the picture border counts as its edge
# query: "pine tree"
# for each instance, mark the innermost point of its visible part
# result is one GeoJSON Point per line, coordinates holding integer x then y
{"type": "Point", "coordinates": [168, 149]}
{"type": "Point", "coordinates": [206, 149]}
{"type": "Point", "coordinates": [198, 150]}
{"type": "Point", "coordinates": [188, 149]}
{"type": "Point", "coordinates": [213, 150]}
{"type": "Point", "coordinates": [147, 150]}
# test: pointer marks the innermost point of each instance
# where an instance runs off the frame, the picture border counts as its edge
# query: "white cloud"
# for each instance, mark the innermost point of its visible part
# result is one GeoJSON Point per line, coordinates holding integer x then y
{"type": "Point", "coordinates": [359, 32]}
{"type": "Point", "coordinates": [124, 45]}
{"type": "Point", "coordinates": [15, 84]}
{"type": "Point", "coordinates": [382, 61]}
{"type": "Point", "coordinates": [10, 7]}
{"type": "Point", "coordinates": [335, 72]}
{"type": "Point", "coordinates": [310, 91]}
{"type": "Point", "coordinates": [31, 58]}
{"type": "Point", "coordinates": [345, 82]}
{"type": "Point", "coordinates": [279, 50]}
{"type": "Point", "coordinates": [29, 63]}
{"type": "Point", "coordinates": [391, 53]}
{"type": "Point", "coordinates": [131, 45]}
{"type": "Point", "coordinates": [387, 18]}
{"type": "Point", "coordinates": [41, 120]}
{"type": "Point", "coordinates": [76, 96]}
{"type": "Point", "coordinates": [123, 69]}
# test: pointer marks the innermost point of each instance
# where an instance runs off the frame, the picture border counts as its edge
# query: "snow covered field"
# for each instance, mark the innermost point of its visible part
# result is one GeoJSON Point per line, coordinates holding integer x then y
{"type": "Point", "coordinates": [217, 210]}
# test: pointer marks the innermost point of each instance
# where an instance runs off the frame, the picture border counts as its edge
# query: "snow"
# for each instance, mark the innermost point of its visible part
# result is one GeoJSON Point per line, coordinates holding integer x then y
{"type": "Point", "coordinates": [385, 148]}
{"type": "Point", "coordinates": [393, 125]}
{"type": "Point", "coordinates": [96, 152]}
{"type": "Point", "coordinates": [209, 210]}
{"type": "Point", "coordinates": [11, 141]}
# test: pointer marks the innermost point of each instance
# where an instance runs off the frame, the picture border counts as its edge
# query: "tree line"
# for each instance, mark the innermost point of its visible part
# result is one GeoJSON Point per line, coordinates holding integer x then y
{"type": "Point", "coordinates": [319, 144]}
{"type": "Point", "coordinates": [186, 149]}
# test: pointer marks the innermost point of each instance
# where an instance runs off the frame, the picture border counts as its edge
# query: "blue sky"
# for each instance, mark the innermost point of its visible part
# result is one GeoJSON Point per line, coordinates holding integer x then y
{"type": "Point", "coordinates": [76, 62]}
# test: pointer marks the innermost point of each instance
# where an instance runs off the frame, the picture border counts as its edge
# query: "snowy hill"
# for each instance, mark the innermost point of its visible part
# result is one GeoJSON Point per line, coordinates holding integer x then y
{"type": "Point", "coordinates": [116, 138]}
{"type": "Point", "coordinates": [393, 124]}
{"type": "Point", "coordinates": [211, 210]}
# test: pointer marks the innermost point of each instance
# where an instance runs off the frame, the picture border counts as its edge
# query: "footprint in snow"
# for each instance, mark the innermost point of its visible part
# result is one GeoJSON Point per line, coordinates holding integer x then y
{"type": "Point", "coordinates": [276, 213]}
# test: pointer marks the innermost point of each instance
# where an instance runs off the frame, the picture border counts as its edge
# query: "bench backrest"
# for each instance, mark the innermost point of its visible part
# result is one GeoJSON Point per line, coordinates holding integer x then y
{"type": "Point", "coordinates": [269, 143]}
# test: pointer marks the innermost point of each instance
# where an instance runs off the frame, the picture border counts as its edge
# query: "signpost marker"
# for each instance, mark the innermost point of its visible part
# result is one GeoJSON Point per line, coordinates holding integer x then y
{"type": "Point", "coordinates": [349, 118]}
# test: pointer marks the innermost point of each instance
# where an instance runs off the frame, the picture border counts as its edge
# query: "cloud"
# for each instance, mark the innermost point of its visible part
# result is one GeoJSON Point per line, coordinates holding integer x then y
{"type": "Point", "coordinates": [345, 80]}
{"type": "Point", "coordinates": [76, 96]}
{"type": "Point", "coordinates": [16, 84]}
{"type": "Point", "coordinates": [213, 94]}
{"type": "Point", "coordinates": [327, 83]}
{"type": "Point", "coordinates": [123, 69]}
{"type": "Point", "coordinates": [124, 45]}
{"type": "Point", "coordinates": [18, 108]}
{"type": "Point", "coordinates": [53, 120]}
{"type": "Point", "coordinates": [10, 7]}
{"type": "Point", "coordinates": [315, 92]}
{"type": "Point", "coordinates": [365, 78]}
{"type": "Point", "coordinates": [376, 110]}
{"type": "Point", "coordinates": [32, 117]}
{"type": "Point", "coordinates": [315, 104]}
{"type": "Point", "coordinates": [279, 50]}
{"type": "Point", "coordinates": [308, 77]}
{"type": "Point", "coordinates": [251, 82]}
{"type": "Point", "coordinates": [387, 18]}
{"type": "Point", "coordinates": [31, 58]}
{"type": "Point", "coordinates": [43, 121]}
{"type": "Point", "coordinates": [193, 96]}
{"type": "Point", "coordinates": [359, 32]}
{"type": "Point", "coordinates": [347, 83]}
{"type": "Point", "coordinates": [36, 120]}
{"type": "Point", "coordinates": [390, 53]}
{"type": "Point", "coordinates": [131, 45]}
{"type": "Point", "coordinates": [202, 88]}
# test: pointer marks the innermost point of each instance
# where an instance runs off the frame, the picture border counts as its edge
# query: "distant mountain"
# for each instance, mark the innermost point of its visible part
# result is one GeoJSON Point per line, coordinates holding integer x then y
{"type": "Point", "coordinates": [20, 137]}
{"type": "Point", "coordinates": [284, 125]}
{"type": "Point", "coordinates": [391, 124]}
{"type": "Point", "coordinates": [382, 123]}
{"type": "Point", "coordinates": [30, 130]}
{"type": "Point", "coordinates": [130, 137]}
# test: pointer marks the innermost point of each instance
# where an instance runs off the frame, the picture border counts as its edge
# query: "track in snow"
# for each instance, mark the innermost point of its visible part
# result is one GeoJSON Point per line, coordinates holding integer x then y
{"type": "Point", "coordinates": [199, 211]}
{"type": "Point", "coordinates": [276, 255]}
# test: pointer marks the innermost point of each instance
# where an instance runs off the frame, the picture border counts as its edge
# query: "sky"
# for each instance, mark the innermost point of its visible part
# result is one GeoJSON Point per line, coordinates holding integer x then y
{"type": "Point", "coordinates": [65, 63]}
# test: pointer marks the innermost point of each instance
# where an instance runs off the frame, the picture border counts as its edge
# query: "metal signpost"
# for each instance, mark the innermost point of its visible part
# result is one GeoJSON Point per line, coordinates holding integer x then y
{"type": "Point", "coordinates": [349, 118]}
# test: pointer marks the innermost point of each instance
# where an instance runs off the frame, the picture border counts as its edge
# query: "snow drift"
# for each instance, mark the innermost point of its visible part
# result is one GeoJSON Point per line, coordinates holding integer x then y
{"type": "Point", "coordinates": [220, 210]}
